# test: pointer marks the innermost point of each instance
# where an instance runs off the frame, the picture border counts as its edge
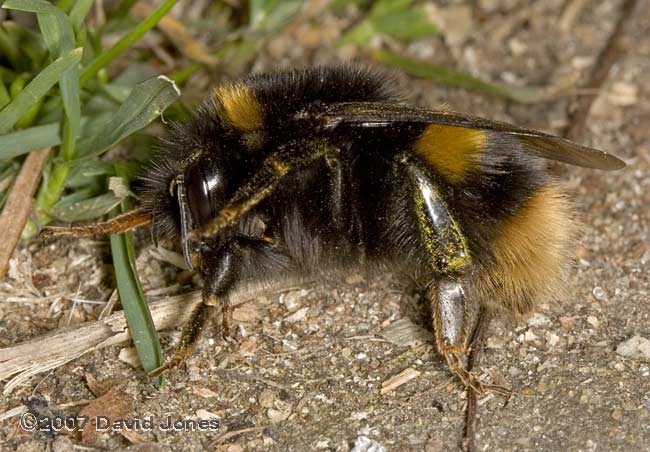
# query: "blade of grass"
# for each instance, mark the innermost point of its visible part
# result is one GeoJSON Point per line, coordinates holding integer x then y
{"type": "Point", "coordinates": [57, 33]}
{"type": "Point", "coordinates": [89, 173]}
{"type": "Point", "coordinates": [71, 211]}
{"type": "Point", "coordinates": [77, 196]}
{"type": "Point", "coordinates": [22, 141]}
{"type": "Point", "coordinates": [17, 85]}
{"type": "Point", "coordinates": [269, 16]}
{"type": "Point", "coordinates": [5, 195]}
{"type": "Point", "coordinates": [79, 12]}
{"type": "Point", "coordinates": [4, 95]}
{"type": "Point", "coordinates": [7, 175]}
{"type": "Point", "coordinates": [36, 89]}
{"type": "Point", "coordinates": [179, 35]}
{"type": "Point", "coordinates": [8, 46]}
{"type": "Point", "coordinates": [136, 309]}
{"type": "Point", "coordinates": [396, 18]}
{"type": "Point", "coordinates": [71, 124]}
{"type": "Point", "coordinates": [25, 50]}
{"type": "Point", "coordinates": [338, 5]}
{"type": "Point", "coordinates": [64, 5]}
{"type": "Point", "coordinates": [458, 79]}
{"type": "Point", "coordinates": [265, 21]}
{"type": "Point", "coordinates": [102, 60]}
{"type": "Point", "coordinates": [8, 169]}
{"type": "Point", "coordinates": [124, 8]}
{"type": "Point", "coordinates": [146, 102]}
{"type": "Point", "coordinates": [180, 75]}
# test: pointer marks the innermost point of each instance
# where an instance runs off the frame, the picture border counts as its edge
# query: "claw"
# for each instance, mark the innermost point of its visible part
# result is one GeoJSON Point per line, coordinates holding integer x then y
{"type": "Point", "coordinates": [470, 379]}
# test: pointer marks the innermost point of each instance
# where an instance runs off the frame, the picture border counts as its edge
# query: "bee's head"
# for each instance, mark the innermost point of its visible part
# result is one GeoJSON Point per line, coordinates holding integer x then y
{"type": "Point", "coordinates": [200, 191]}
{"type": "Point", "coordinates": [192, 174]}
{"type": "Point", "coordinates": [203, 161]}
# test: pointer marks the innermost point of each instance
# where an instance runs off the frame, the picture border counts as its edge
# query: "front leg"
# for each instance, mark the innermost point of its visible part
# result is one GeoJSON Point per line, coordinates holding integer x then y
{"type": "Point", "coordinates": [220, 272]}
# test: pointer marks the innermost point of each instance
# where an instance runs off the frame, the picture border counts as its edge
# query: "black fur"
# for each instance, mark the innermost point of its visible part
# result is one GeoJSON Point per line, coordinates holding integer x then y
{"type": "Point", "coordinates": [320, 218]}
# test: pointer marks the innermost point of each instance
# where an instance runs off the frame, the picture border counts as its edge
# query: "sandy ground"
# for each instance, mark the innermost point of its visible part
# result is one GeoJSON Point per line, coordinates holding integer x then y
{"type": "Point", "coordinates": [305, 369]}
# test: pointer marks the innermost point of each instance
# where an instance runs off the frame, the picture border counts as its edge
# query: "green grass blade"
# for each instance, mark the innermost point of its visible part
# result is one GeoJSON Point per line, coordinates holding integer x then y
{"type": "Point", "coordinates": [410, 24]}
{"type": "Point", "coordinates": [126, 42]}
{"type": "Point", "coordinates": [70, 210]}
{"type": "Point", "coordinates": [23, 48]}
{"type": "Point", "coordinates": [396, 18]}
{"type": "Point", "coordinates": [57, 34]}
{"type": "Point", "coordinates": [79, 195]}
{"type": "Point", "coordinates": [145, 103]}
{"type": "Point", "coordinates": [136, 309]}
{"type": "Point", "coordinates": [4, 94]}
{"type": "Point", "coordinates": [59, 38]}
{"type": "Point", "coordinates": [457, 79]}
{"type": "Point", "coordinates": [338, 5]}
{"type": "Point", "coordinates": [79, 12]}
{"type": "Point", "coordinates": [36, 89]}
{"type": "Point", "coordinates": [8, 46]}
{"type": "Point", "coordinates": [385, 7]}
{"type": "Point", "coordinates": [269, 16]}
{"type": "Point", "coordinates": [25, 140]}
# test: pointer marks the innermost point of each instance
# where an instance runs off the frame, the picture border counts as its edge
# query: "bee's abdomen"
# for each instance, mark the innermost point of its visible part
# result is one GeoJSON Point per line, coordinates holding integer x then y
{"type": "Point", "coordinates": [528, 254]}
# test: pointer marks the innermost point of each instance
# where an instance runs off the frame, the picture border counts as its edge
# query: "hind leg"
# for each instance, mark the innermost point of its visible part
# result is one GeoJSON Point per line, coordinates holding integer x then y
{"type": "Point", "coordinates": [450, 261]}
{"type": "Point", "coordinates": [450, 320]}
{"type": "Point", "coordinates": [449, 312]}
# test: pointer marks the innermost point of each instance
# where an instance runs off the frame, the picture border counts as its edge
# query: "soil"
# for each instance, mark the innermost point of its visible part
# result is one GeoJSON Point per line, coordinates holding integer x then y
{"type": "Point", "coordinates": [305, 369]}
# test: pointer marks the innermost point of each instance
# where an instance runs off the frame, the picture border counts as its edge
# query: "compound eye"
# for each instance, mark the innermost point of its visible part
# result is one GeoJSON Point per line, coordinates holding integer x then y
{"type": "Point", "coordinates": [198, 195]}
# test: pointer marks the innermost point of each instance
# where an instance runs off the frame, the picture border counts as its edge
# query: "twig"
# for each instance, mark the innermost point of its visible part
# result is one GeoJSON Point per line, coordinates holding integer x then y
{"type": "Point", "coordinates": [59, 347]}
{"type": "Point", "coordinates": [572, 11]}
{"type": "Point", "coordinates": [478, 342]}
{"type": "Point", "coordinates": [613, 52]}
{"type": "Point", "coordinates": [19, 205]}
{"type": "Point", "coordinates": [179, 35]}
{"type": "Point", "coordinates": [398, 380]}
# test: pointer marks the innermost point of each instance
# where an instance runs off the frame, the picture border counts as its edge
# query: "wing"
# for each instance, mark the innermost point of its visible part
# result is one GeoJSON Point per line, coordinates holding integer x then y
{"type": "Point", "coordinates": [377, 114]}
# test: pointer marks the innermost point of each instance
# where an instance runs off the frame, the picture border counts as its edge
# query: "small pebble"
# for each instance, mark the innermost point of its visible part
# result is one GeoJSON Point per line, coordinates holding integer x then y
{"type": "Point", "coordinates": [599, 293]}
{"type": "Point", "coordinates": [267, 398]}
{"type": "Point", "coordinates": [129, 356]}
{"type": "Point", "coordinates": [297, 316]}
{"type": "Point", "coordinates": [617, 414]}
{"type": "Point", "coordinates": [206, 415]}
{"type": "Point", "coordinates": [277, 415]}
{"type": "Point", "coordinates": [636, 347]}
{"type": "Point", "coordinates": [538, 320]}
{"type": "Point", "coordinates": [552, 339]}
{"type": "Point", "coordinates": [365, 444]}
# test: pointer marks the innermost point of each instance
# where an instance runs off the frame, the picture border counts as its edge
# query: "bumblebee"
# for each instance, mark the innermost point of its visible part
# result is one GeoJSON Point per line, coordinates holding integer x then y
{"type": "Point", "coordinates": [324, 170]}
